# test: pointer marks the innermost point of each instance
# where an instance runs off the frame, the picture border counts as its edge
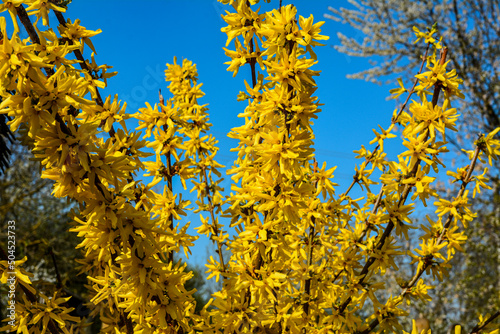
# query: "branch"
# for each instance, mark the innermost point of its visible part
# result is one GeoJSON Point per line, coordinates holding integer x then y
{"type": "Point", "coordinates": [376, 205]}
{"type": "Point", "coordinates": [58, 276]}
{"type": "Point", "coordinates": [393, 120]}
{"type": "Point", "coordinates": [79, 56]}
{"type": "Point", "coordinates": [216, 231]}
{"type": "Point", "coordinates": [478, 328]}
{"type": "Point", "coordinates": [170, 255]}
{"type": "Point", "coordinates": [419, 273]}
{"type": "Point", "coordinates": [310, 242]}
{"type": "Point", "coordinates": [402, 199]}
{"type": "Point", "coordinates": [448, 220]}
{"type": "Point", "coordinates": [253, 59]}
{"type": "Point", "coordinates": [25, 20]}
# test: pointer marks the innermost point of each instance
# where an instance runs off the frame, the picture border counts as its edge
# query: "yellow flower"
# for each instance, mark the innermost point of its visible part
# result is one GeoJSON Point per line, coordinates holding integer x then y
{"type": "Point", "coordinates": [10, 5]}
{"type": "Point", "coordinates": [427, 36]}
{"type": "Point", "coordinates": [53, 310]}
{"type": "Point", "coordinates": [75, 32]}
{"type": "Point", "coordinates": [384, 134]}
{"type": "Point", "coordinates": [422, 183]}
{"type": "Point", "coordinates": [418, 149]}
{"type": "Point", "coordinates": [398, 91]}
{"type": "Point", "coordinates": [310, 32]}
{"type": "Point", "coordinates": [21, 275]}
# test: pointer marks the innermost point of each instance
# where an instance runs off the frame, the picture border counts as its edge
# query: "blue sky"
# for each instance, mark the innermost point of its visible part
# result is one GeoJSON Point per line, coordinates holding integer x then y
{"type": "Point", "coordinates": [138, 40]}
{"type": "Point", "coordinates": [139, 37]}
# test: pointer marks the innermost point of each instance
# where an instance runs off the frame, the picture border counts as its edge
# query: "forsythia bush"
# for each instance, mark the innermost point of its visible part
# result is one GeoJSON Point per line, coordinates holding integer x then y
{"type": "Point", "coordinates": [303, 258]}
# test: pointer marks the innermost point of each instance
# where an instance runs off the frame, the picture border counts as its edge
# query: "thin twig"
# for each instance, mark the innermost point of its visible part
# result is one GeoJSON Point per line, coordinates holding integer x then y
{"type": "Point", "coordinates": [170, 254]}
{"type": "Point", "coordinates": [394, 120]}
{"type": "Point", "coordinates": [252, 64]}
{"type": "Point", "coordinates": [79, 56]}
{"type": "Point", "coordinates": [419, 273]}
{"type": "Point", "coordinates": [310, 240]}
{"type": "Point", "coordinates": [376, 205]}
{"type": "Point", "coordinates": [402, 200]}
{"type": "Point", "coordinates": [58, 276]}
{"type": "Point", "coordinates": [478, 328]}
{"type": "Point", "coordinates": [215, 228]}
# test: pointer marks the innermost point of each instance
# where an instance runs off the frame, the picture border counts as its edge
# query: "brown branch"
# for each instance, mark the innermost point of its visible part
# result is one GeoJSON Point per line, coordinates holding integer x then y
{"type": "Point", "coordinates": [58, 276]}
{"type": "Point", "coordinates": [83, 65]}
{"type": "Point", "coordinates": [252, 65]}
{"type": "Point", "coordinates": [478, 328]}
{"type": "Point", "coordinates": [449, 219]}
{"type": "Point", "coordinates": [253, 59]}
{"type": "Point", "coordinates": [424, 58]}
{"type": "Point", "coordinates": [307, 285]}
{"type": "Point", "coordinates": [170, 254]}
{"type": "Point", "coordinates": [394, 120]}
{"type": "Point", "coordinates": [440, 239]}
{"type": "Point", "coordinates": [376, 205]}
{"type": "Point", "coordinates": [79, 56]}
{"type": "Point", "coordinates": [25, 20]}
{"type": "Point", "coordinates": [30, 29]}
{"type": "Point", "coordinates": [310, 243]}
{"type": "Point", "coordinates": [438, 85]}
{"type": "Point", "coordinates": [419, 273]}
{"type": "Point", "coordinates": [402, 199]}
{"type": "Point", "coordinates": [254, 83]}
{"type": "Point", "coordinates": [215, 229]}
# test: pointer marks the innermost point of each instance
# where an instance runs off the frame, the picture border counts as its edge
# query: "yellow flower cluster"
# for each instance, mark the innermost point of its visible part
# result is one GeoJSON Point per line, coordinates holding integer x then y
{"type": "Point", "coordinates": [301, 262]}
{"type": "Point", "coordinates": [303, 258]}
{"type": "Point", "coordinates": [127, 230]}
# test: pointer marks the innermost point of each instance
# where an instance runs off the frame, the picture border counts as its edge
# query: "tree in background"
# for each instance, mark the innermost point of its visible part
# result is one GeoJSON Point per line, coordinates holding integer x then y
{"type": "Point", "coordinates": [50, 249]}
{"type": "Point", "coordinates": [6, 137]}
{"type": "Point", "coordinates": [470, 29]}
{"type": "Point", "coordinates": [44, 238]}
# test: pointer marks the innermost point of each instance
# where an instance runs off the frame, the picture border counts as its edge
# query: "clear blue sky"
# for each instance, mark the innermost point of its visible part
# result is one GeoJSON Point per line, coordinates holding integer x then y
{"type": "Point", "coordinates": [139, 37]}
